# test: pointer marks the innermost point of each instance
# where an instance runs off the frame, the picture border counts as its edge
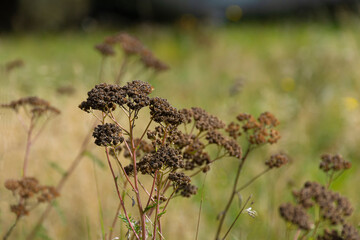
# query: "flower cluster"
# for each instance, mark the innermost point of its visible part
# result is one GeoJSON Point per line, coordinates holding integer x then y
{"type": "Point", "coordinates": [333, 163]}
{"type": "Point", "coordinates": [348, 233]}
{"type": "Point", "coordinates": [105, 97]}
{"type": "Point", "coordinates": [131, 47]}
{"type": "Point", "coordinates": [333, 206]}
{"type": "Point", "coordinates": [108, 134]}
{"type": "Point", "coordinates": [34, 105]}
{"type": "Point", "coordinates": [28, 189]}
{"type": "Point", "coordinates": [277, 160]}
{"type": "Point", "coordinates": [296, 215]}
{"type": "Point", "coordinates": [260, 131]}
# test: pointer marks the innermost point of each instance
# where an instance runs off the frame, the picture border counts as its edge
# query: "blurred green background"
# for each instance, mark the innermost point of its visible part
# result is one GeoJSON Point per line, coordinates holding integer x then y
{"type": "Point", "coordinates": [304, 72]}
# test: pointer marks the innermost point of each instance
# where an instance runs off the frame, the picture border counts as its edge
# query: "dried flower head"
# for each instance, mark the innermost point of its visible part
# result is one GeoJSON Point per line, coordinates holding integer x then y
{"type": "Point", "coordinates": [137, 93]}
{"type": "Point", "coordinates": [349, 232]}
{"type": "Point", "coordinates": [34, 105]}
{"type": "Point", "coordinates": [333, 206]}
{"type": "Point", "coordinates": [296, 215]}
{"type": "Point", "coordinates": [233, 129]}
{"type": "Point", "coordinates": [205, 121]}
{"type": "Point", "coordinates": [277, 160]}
{"type": "Point", "coordinates": [129, 44]}
{"type": "Point", "coordinates": [150, 61]}
{"type": "Point", "coordinates": [11, 184]}
{"type": "Point", "coordinates": [262, 130]}
{"type": "Point", "coordinates": [162, 111]}
{"type": "Point", "coordinates": [330, 235]}
{"type": "Point", "coordinates": [333, 163]}
{"type": "Point", "coordinates": [105, 49]}
{"type": "Point", "coordinates": [17, 63]}
{"type": "Point", "coordinates": [108, 134]}
{"type": "Point", "coordinates": [103, 97]}
{"type": "Point", "coordinates": [26, 189]}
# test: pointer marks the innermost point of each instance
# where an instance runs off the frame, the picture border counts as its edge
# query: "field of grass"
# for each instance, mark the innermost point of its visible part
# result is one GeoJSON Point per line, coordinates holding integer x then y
{"type": "Point", "coordinates": [306, 74]}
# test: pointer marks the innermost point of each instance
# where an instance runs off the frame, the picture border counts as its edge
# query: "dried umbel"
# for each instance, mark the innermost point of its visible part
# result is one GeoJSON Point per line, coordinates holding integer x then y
{"type": "Point", "coordinates": [162, 111]}
{"type": "Point", "coordinates": [150, 61]}
{"type": "Point", "coordinates": [205, 121]}
{"type": "Point", "coordinates": [296, 215]}
{"type": "Point", "coordinates": [33, 105]}
{"type": "Point", "coordinates": [10, 66]}
{"type": "Point", "coordinates": [29, 192]}
{"type": "Point", "coordinates": [108, 134]}
{"type": "Point", "coordinates": [105, 97]}
{"type": "Point", "coordinates": [277, 160]}
{"type": "Point", "coordinates": [105, 49]}
{"type": "Point", "coordinates": [260, 131]}
{"type": "Point", "coordinates": [348, 233]}
{"type": "Point", "coordinates": [333, 206]}
{"type": "Point", "coordinates": [333, 163]}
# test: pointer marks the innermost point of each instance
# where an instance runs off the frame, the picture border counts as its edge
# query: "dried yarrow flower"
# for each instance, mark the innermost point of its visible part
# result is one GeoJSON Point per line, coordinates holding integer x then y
{"type": "Point", "coordinates": [333, 206]}
{"type": "Point", "coordinates": [179, 179]}
{"type": "Point", "coordinates": [260, 131]}
{"type": "Point", "coordinates": [130, 44]}
{"type": "Point", "coordinates": [150, 61]}
{"type": "Point", "coordinates": [233, 129]}
{"type": "Point", "coordinates": [104, 97]}
{"type": "Point", "coordinates": [349, 232]}
{"type": "Point", "coordinates": [330, 235]}
{"type": "Point", "coordinates": [11, 184]}
{"type": "Point", "coordinates": [333, 163]}
{"type": "Point", "coordinates": [48, 193]}
{"type": "Point", "coordinates": [108, 134]}
{"type": "Point", "coordinates": [162, 111]}
{"type": "Point", "coordinates": [186, 190]}
{"type": "Point", "coordinates": [105, 49]}
{"type": "Point", "coordinates": [17, 63]}
{"type": "Point", "coordinates": [296, 215]}
{"type": "Point", "coordinates": [37, 106]}
{"type": "Point", "coordinates": [277, 160]}
{"type": "Point", "coordinates": [19, 210]}
{"type": "Point", "coordinates": [205, 121]}
{"type": "Point", "coordinates": [137, 93]}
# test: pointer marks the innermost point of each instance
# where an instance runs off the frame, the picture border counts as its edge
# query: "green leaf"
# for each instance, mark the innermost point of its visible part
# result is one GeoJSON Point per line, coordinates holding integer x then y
{"type": "Point", "coordinates": [57, 167]}
{"type": "Point", "coordinates": [133, 223]}
{"type": "Point", "coordinates": [95, 159]}
{"type": "Point", "coordinates": [149, 207]}
{"type": "Point", "coordinates": [162, 213]}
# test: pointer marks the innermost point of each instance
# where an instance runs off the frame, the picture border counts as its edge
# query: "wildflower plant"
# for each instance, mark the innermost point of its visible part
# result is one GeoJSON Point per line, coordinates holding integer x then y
{"type": "Point", "coordinates": [34, 113]}
{"type": "Point", "coordinates": [319, 212]}
{"type": "Point", "coordinates": [170, 149]}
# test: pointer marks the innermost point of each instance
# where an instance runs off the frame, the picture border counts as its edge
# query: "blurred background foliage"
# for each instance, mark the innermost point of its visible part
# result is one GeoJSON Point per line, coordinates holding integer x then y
{"type": "Point", "coordinates": [305, 71]}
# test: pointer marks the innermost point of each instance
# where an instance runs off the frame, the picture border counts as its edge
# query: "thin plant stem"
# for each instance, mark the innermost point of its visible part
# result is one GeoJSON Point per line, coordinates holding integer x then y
{"type": "Point", "coordinates": [199, 215]}
{"type": "Point", "coordinates": [159, 179]}
{"type": "Point", "coordinates": [28, 146]}
{"type": "Point", "coordinates": [227, 207]}
{"type": "Point", "coordinates": [297, 234]}
{"type": "Point", "coordinates": [252, 180]}
{"type": "Point", "coordinates": [118, 193]}
{"type": "Point", "coordinates": [11, 229]}
{"type": "Point", "coordinates": [137, 193]}
{"type": "Point", "coordinates": [152, 189]}
{"type": "Point", "coordinates": [237, 217]}
{"type": "Point", "coordinates": [122, 70]}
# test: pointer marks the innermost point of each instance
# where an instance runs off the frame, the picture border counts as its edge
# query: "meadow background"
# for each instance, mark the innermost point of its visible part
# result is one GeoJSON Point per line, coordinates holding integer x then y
{"type": "Point", "coordinates": [306, 73]}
